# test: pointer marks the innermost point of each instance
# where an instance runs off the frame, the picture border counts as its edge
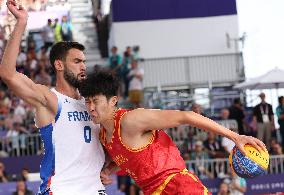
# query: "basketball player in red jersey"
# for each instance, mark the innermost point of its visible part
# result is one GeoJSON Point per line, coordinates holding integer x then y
{"type": "Point", "coordinates": [137, 144]}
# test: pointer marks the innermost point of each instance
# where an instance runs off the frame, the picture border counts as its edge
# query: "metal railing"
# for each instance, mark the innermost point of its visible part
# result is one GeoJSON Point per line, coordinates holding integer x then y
{"type": "Point", "coordinates": [22, 145]}
{"type": "Point", "coordinates": [26, 145]}
{"type": "Point", "coordinates": [212, 168]}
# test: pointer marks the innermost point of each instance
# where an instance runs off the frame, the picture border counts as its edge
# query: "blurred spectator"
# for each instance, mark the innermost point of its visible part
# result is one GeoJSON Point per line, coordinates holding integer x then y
{"type": "Point", "coordinates": [3, 174]}
{"type": "Point", "coordinates": [226, 122]}
{"type": "Point", "coordinates": [17, 139]}
{"type": "Point", "coordinates": [24, 175]}
{"type": "Point", "coordinates": [9, 23]}
{"type": "Point", "coordinates": [280, 115]}
{"type": "Point", "coordinates": [42, 54]}
{"type": "Point", "coordinates": [186, 157]}
{"type": "Point", "coordinates": [173, 132]}
{"type": "Point", "coordinates": [34, 5]}
{"type": "Point", "coordinates": [134, 189]}
{"type": "Point", "coordinates": [238, 185]}
{"type": "Point", "coordinates": [9, 121]}
{"type": "Point", "coordinates": [200, 156]}
{"type": "Point", "coordinates": [4, 103]}
{"type": "Point", "coordinates": [135, 77]}
{"type": "Point", "coordinates": [136, 56]}
{"type": "Point", "coordinates": [237, 113]}
{"type": "Point", "coordinates": [66, 29]}
{"type": "Point", "coordinates": [189, 143]}
{"type": "Point", "coordinates": [42, 77]}
{"type": "Point", "coordinates": [41, 64]}
{"type": "Point", "coordinates": [57, 31]}
{"type": "Point", "coordinates": [48, 35]}
{"type": "Point", "coordinates": [127, 58]}
{"type": "Point", "coordinates": [31, 62]}
{"type": "Point", "coordinates": [276, 164]}
{"type": "Point", "coordinates": [216, 150]}
{"type": "Point", "coordinates": [98, 17]}
{"type": "Point", "coordinates": [200, 134]}
{"type": "Point", "coordinates": [3, 153]}
{"type": "Point", "coordinates": [22, 58]}
{"type": "Point", "coordinates": [123, 181]}
{"type": "Point", "coordinates": [273, 142]}
{"type": "Point", "coordinates": [276, 149]}
{"type": "Point", "coordinates": [19, 111]}
{"type": "Point", "coordinates": [21, 189]}
{"type": "Point", "coordinates": [264, 118]}
{"type": "Point", "coordinates": [115, 61]}
{"type": "Point", "coordinates": [196, 108]}
{"type": "Point", "coordinates": [214, 146]}
{"type": "Point", "coordinates": [231, 124]}
{"type": "Point", "coordinates": [224, 189]}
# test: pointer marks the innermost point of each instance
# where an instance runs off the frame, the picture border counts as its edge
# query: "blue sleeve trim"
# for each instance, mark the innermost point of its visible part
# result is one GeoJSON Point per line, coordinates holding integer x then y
{"type": "Point", "coordinates": [58, 110]}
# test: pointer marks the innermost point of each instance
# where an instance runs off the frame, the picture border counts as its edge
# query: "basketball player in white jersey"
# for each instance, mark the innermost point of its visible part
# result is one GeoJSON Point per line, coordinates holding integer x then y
{"type": "Point", "coordinates": [73, 156]}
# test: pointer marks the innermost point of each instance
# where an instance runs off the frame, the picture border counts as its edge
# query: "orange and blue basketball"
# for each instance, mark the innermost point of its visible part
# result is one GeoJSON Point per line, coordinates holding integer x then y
{"type": "Point", "coordinates": [250, 166]}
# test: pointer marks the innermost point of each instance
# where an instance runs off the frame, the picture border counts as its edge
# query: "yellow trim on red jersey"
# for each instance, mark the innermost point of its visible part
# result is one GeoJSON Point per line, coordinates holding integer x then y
{"type": "Point", "coordinates": [135, 149]}
{"type": "Point", "coordinates": [103, 133]}
{"type": "Point", "coordinates": [161, 188]}
{"type": "Point", "coordinates": [102, 136]}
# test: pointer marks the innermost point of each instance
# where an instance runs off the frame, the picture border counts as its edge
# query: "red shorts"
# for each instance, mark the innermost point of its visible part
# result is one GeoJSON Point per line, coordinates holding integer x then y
{"type": "Point", "coordinates": [184, 183]}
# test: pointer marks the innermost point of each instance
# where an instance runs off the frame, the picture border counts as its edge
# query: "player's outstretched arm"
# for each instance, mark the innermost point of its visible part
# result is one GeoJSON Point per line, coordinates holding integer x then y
{"type": "Point", "coordinates": [142, 120]}
{"type": "Point", "coordinates": [21, 85]}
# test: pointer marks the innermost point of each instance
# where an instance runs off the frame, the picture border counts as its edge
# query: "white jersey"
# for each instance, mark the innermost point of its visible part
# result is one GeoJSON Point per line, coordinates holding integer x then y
{"type": "Point", "coordinates": [73, 156]}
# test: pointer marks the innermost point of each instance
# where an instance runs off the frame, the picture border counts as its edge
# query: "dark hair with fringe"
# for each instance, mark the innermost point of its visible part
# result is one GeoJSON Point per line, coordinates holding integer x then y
{"type": "Point", "coordinates": [101, 82]}
{"type": "Point", "coordinates": [59, 51]}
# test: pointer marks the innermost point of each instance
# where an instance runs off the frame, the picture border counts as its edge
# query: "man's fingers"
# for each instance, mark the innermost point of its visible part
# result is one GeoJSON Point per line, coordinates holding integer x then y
{"type": "Point", "coordinates": [242, 149]}
{"type": "Point", "coordinates": [259, 145]}
{"type": "Point", "coordinates": [11, 3]}
{"type": "Point", "coordinates": [106, 181]}
{"type": "Point", "coordinates": [255, 144]}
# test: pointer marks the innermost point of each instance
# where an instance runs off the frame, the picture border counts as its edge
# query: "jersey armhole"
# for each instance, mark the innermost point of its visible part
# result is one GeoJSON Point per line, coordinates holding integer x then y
{"type": "Point", "coordinates": [130, 149]}
{"type": "Point", "coordinates": [59, 108]}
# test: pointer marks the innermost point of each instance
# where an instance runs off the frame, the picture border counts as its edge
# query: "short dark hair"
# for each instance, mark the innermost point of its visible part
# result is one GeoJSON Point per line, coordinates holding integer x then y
{"type": "Point", "coordinates": [280, 99]}
{"type": "Point", "coordinates": [100, 82]}
{"type": "Point", "coordinates": [59, 50]}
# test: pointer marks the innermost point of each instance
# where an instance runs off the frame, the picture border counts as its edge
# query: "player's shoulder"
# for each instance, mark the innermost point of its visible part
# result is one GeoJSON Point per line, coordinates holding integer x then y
{"type": "Point", "coordinates": [130, 116]}
{"type": "Point", "coordinates": [50, 96]}
{"type": "Point", "coordinates": [46, 90]}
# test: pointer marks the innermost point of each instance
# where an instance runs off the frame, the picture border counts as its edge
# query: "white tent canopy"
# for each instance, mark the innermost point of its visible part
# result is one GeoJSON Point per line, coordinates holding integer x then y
{"type": "Point", "coordinates": [273, 79]}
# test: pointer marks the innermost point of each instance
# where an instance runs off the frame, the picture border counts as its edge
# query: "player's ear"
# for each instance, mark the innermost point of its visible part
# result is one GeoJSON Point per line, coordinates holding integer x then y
{"type": "Point", "coordinates": [58, 65]}
{"type": "Point", "coordinates": [113, 100]}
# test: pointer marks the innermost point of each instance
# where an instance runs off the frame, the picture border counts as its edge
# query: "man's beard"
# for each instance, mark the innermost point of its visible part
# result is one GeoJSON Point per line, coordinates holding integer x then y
{"type": "Point", "coordinates": [71, 78]}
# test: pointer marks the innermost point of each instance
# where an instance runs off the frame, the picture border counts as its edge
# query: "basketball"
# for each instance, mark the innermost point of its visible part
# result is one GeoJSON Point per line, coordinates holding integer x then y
{"type": "Point", "coordinates": [250, 166]}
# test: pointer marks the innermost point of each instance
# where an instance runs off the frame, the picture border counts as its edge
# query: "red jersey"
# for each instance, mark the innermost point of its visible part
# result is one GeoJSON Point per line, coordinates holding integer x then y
{"type": "Point", "coordinates": [151, 165]}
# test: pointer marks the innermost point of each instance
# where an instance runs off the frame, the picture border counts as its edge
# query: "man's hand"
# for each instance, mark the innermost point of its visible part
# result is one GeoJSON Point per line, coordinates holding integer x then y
{"type": "Point", "coordinates": [19, 12]}
{"type": "Point", "coordinates": [105, 177]}
{"type": "Point", "coordinates": [242, 140]}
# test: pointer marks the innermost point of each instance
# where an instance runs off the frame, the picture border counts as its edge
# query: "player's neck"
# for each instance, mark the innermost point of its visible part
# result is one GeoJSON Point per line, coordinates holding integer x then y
{"type": "Point", "coordinates": [109, 123]}
{"type": "Point", "coordinates": [66, 89]}
{"type": "Point", "coordinates": [109, 126]}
